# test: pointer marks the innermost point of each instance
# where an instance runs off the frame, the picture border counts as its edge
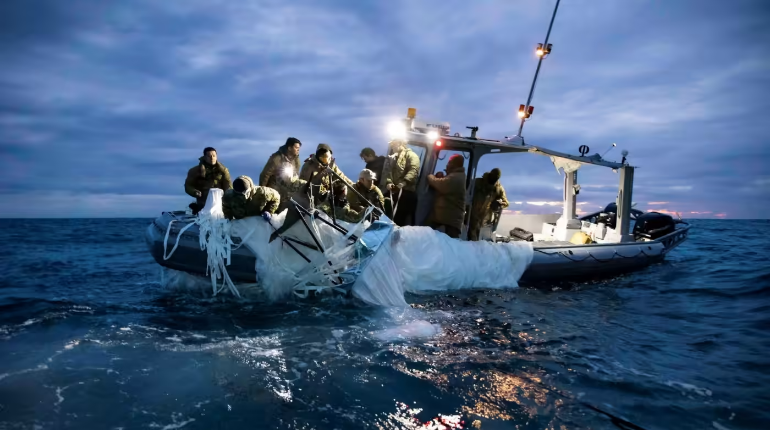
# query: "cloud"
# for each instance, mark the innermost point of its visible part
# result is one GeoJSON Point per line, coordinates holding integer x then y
{"type": "Point", "coordinates": [112, 100]}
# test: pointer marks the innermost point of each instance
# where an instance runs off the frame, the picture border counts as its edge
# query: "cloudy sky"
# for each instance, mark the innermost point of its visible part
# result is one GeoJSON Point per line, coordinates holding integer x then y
{"type": "Point", "coordinates": [105, 105]}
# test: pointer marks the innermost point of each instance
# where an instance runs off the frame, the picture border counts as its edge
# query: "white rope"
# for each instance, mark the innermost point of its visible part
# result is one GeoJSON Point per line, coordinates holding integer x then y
{"type": "Point", "coordinates": [176, 244]}
{"type": "Point", "coordinates": [243, 239]}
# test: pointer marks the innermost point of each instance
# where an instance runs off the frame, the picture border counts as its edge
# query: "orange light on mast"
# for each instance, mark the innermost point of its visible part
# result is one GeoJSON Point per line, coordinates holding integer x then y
{"type": "Point", "coordinates": [438, 143]}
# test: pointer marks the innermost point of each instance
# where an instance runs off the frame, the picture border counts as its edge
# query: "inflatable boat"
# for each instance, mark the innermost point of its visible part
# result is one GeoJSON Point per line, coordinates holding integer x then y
{"type": "Point", "coordinates": [552, 261]}
{"type": "Point", "coordinates": [512, 247]}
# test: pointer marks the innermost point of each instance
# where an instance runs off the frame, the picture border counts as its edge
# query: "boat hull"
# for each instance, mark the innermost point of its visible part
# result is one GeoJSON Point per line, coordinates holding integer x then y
{"type": "Point", "coordinates": [551, 262]}
{"type": "Point", "coordinates": [188, 257]}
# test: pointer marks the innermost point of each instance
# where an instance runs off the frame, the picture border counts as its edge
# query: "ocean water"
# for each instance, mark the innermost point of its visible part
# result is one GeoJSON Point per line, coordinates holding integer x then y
{"type": "Point", "coordinates": [90, 338]}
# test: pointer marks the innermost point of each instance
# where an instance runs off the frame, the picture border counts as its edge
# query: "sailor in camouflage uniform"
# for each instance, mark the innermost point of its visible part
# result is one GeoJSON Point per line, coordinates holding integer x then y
{"type": "Point", "coordinates": [246, 200]}
{"type": "Point", "coordinates": [208, 174]}
{"type": "Point", "coordinates": [342, 210]}
{"type": "Point", "coordinates": [489, 195]}
{"type": "Point", "coordinates": [317, 165]}
{"type": "Point", "coordinates": [400, 173]}
{"type": "Point", "coordinates": [282, 170]}
{"type": "Point", "coordinates": [367, 188]}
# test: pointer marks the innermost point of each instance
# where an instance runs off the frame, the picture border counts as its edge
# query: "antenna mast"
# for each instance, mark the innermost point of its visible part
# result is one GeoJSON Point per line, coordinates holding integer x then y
{"type": "Point", "coordinates": [542, 51]}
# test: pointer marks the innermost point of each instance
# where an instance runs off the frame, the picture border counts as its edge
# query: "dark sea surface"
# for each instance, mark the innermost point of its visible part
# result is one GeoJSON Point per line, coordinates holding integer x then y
{"type": "Point", "coordinates": [90, 338]}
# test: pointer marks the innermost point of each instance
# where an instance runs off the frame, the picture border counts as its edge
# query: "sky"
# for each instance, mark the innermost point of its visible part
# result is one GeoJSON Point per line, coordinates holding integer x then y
{"type": "Point", "coordinates": [105, 105]}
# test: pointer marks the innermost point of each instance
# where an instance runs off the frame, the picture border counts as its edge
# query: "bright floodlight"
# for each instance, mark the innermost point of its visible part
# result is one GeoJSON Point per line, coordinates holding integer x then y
{"type": "Point", "coordinates": [287, 172]}
{"type": "Point", "coordinates": [396, 130]}
{"type": "Point", "coordinates": [521, 114]}
{"type": "Point", "coordinates": [433, 135]}
{"type": "Point", "coordinates": [539, 52]}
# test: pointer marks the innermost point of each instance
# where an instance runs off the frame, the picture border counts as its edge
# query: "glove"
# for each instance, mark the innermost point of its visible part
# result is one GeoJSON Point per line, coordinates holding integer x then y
{"type": "Point", "coordinates": [266, 216]}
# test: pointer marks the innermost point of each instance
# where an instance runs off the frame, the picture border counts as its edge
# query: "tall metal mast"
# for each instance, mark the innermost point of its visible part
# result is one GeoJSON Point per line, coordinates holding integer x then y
{"type": "Point", "coordinates": [542, 50]}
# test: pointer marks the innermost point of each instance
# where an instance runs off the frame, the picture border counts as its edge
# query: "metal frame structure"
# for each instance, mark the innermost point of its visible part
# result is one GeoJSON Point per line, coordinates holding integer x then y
{"type": "Point", "coordinates": [477, 147]}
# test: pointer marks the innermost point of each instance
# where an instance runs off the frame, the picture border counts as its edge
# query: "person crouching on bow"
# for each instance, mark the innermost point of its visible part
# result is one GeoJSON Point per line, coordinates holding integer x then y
{"type": "Point", "coordinates": [245, 200]}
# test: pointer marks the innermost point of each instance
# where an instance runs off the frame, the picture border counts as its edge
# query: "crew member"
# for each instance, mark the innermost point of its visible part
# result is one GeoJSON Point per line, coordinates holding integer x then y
{"type": "Point", "coordinates": [371, 193]}
{"type": "Point", "coordinates": [489, 196]}
{"type": "Point", "coordinates": [375, 163]}
{"type": "Point", "coordinates": [208, 174]}
{"type": "Point", "coordinates": [318, 163]}
{"type": "Point", "coordinates": [450, 198]}
{"type": "Point", "coordinates": [282, 170]}
{"type": "Point", "coordinates": [245, 200]}
{"type": "Point", "coordinates": [310, 190]}
{"type": "Point", "coordinates": [342, 209]}
{"type": "Point", "coordinates": [401, 180]}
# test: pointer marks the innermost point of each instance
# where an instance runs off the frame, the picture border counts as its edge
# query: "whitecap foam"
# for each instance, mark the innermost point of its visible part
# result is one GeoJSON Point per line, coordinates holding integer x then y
{"type": "Point", "coordinates": [418, 329]}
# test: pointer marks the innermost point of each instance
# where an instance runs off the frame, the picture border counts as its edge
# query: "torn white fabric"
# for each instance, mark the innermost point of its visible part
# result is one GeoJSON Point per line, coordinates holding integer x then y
{"type": "Point", "coordinates": [214, 238]}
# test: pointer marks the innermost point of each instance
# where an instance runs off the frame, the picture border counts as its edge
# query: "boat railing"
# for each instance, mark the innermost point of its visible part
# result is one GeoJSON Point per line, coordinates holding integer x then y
{"type": "Point", "coordinates": [671, 240]}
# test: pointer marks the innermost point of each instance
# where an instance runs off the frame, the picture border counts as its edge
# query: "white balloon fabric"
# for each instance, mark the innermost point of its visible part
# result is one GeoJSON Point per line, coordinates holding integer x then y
{"type": "Point", "coordinates": [420, 259]}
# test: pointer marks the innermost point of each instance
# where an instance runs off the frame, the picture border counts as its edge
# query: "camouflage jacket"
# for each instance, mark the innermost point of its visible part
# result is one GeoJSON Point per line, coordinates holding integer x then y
{"type": "Point", "coordinates": [373, 195]}
{"type": "Point", "coordinates": [280, 173]}
{"type": "Point", "coordinates": [312, 167]}
{"type": "Point", "coordinates": [342, 213]}
{"type": "Point", "coordinates": [485, 194]}
{"type": "Point", "coordinates": [254, 202]}
{"type": "Point", "coordinates": [401, 168]}
{"type": "Point", "coordinates": [450, 198]}
{"type": "Point", "coordinates": [204, 177]}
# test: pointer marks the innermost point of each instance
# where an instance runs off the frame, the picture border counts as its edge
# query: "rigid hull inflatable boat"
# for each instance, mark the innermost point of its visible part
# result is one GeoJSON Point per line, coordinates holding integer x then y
{"type": "Point", "coordinates": [617, 240]}
{"type": "Point", "coordinates": [552, 261]}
